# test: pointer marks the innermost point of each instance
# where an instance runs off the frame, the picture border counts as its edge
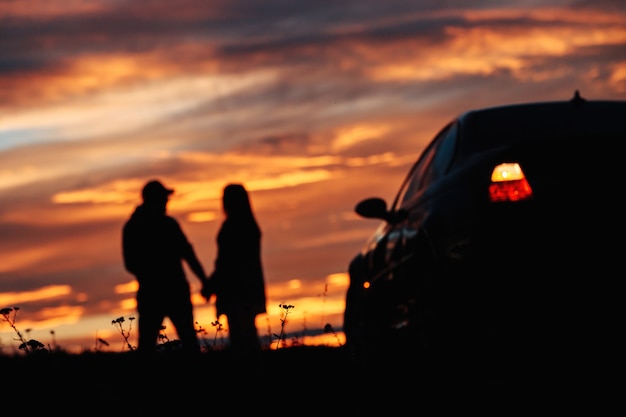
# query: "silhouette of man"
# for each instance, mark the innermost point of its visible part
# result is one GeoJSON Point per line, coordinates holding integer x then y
{"type": "Point", "coordinates": [154, 247]}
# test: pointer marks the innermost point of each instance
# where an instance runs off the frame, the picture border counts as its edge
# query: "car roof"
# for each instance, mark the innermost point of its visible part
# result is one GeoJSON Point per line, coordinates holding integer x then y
{"type": "Point", "coordinates": [485, 127]}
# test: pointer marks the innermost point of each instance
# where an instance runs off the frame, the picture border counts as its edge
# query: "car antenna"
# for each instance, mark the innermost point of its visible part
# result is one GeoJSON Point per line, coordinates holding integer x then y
{"type": "Point", "coordinates": [577, 98]}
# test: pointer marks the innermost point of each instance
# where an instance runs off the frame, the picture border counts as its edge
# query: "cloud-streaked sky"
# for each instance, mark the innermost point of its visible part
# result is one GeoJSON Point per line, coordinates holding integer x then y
{"type": "Point", "coordinates": [311, 105]}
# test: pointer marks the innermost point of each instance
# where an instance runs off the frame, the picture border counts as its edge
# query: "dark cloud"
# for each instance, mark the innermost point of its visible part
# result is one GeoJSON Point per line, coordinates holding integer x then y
{"type": "Point", "coordinates": [616, 5]}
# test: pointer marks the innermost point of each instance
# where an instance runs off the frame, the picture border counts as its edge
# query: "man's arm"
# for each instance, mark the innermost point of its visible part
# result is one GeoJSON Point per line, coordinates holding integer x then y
{"type": "Point", "coordinates": [187, 251]}
{"type": "Point", "coordinates": [194, 263]}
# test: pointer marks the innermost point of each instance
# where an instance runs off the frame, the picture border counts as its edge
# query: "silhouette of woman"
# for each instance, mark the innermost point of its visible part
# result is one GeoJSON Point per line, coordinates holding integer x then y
{"type": "Point", "coordinates": [238, 280]}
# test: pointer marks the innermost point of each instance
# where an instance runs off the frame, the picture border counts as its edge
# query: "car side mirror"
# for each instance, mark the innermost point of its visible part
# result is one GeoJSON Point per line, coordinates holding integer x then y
{"type": "Point", "coordinates": [372, 208]}
{"type": "Point", "coordinates": [376, 208]}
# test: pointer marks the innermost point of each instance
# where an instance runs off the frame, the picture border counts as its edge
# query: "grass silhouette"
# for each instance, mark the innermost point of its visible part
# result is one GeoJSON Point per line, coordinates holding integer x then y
{"type": "Point", "coordinates": [124, 326]}
{"type": "Point", "coordinates": [295, 374]}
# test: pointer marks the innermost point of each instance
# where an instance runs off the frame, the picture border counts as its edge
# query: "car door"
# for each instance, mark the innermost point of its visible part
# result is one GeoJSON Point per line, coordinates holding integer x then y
{"type": "Point", "coordinates": [399, 280]}
{"type": "Point", "coordinates": [416, 197]}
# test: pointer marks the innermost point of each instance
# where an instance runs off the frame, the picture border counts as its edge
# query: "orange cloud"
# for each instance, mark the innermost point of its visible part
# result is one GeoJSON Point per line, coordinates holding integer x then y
{"type": "Point", "coordinates": [352, 135]}
{"type": "Point", "coordinates": [44, 293]}
{"type": "Point", "coordinates": [126, 288]}
{"type": "Point", "coordinates": [484, 50]}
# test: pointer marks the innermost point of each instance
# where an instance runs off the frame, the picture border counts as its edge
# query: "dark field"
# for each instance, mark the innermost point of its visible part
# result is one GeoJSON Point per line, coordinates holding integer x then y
{"type": "Point", "coordinates": [305, 373]}
{"type": "Point", "coordinates": [298, 381]}
{"type": "Point", "coordinates": [312, 379]}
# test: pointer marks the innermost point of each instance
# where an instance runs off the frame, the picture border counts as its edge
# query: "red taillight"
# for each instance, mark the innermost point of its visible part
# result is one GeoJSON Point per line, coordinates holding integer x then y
{"type": "Point", "coordinates": [508, 183]}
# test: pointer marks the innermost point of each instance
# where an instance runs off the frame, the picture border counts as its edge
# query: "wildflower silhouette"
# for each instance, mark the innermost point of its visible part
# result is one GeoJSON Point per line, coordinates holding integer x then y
{"type": "Point", "coordinates": [33, 346]}
{"type": "Point", "coordinates": [167, 345]}
{"type": "Point", "coordinates": [218, 328]}
{"type": "Point", "coordinates": [324, 296]}
{"type": "Point", "coordinates": [119, 323]}
{"type": "Point", "coordinates": [53, 347]}
{"type": "Point", "coordinates": [286, 308]}
{"type": "Point", "coordinates": [162, 335]}
{"type": "Point", "coordinates": [100, 342]}
{"type": "Point", "coordinates": [328, 328]}
{"type": "Point", "coordinates": [202, 331]}
{"type": "Point", "coordinates": [28, 346]}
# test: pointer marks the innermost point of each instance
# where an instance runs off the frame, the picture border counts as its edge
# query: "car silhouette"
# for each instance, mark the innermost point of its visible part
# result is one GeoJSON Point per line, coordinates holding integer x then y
{"type": "Point", "coordinates": [497, 245]}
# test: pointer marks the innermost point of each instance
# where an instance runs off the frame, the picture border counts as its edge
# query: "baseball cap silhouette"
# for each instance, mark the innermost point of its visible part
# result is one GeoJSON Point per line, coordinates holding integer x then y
{"type": "Point", "coordinates": [154, 189]}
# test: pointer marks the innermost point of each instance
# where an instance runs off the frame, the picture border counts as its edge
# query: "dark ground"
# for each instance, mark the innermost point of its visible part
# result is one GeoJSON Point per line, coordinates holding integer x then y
{"type": "Point", "coordinates": [296, 380]}
{"type": "Point", "coordinates": [581, 378]}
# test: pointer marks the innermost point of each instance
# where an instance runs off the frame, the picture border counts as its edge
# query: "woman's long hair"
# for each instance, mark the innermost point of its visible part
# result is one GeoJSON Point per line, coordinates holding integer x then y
{"type": "Point", "coordinates": [236, 202]}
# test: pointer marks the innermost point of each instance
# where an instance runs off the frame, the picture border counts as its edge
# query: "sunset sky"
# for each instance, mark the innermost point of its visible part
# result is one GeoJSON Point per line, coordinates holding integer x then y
{"type": "Point", "coordinates": [311, 105]}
